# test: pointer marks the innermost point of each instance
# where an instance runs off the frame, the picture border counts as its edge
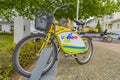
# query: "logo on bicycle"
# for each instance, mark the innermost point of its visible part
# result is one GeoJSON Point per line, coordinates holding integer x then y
{"type": "Point", "coordinates": [69, 37]}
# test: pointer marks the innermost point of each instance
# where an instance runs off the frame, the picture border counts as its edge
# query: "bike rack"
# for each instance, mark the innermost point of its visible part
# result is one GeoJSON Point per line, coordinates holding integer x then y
{"type": "Point", "coordinates": [37, 71]}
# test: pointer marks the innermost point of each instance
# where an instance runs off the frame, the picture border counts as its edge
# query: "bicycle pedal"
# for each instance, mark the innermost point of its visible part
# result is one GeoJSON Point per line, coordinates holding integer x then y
{"type": "Point", "coordinates": [74, 56]}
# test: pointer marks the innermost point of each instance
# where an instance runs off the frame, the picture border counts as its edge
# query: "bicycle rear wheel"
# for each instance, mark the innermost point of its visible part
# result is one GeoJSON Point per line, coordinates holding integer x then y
{"type": "Point", "coordinates": [27, 51]}
{"type": "Point", "coordinates": [84, 57]}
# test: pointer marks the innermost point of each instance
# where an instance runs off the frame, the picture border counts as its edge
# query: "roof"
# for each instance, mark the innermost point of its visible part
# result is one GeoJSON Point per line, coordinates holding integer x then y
{"type": "Point", "coordinates": [115, 20]}
{"type": "Point", "coordinates": [91, 20]}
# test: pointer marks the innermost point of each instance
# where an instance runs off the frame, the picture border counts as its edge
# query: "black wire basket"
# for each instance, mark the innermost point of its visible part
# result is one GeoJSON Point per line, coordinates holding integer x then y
{"type": "Point", "coordinates": [43, 20]}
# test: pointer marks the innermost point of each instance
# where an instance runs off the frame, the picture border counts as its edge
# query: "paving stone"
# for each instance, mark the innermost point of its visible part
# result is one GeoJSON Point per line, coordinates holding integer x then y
{"type": "Point", "coordinates": [104, 65]}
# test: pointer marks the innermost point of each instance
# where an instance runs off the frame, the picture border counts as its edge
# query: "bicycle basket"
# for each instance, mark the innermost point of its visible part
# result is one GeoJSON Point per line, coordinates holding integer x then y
{"type": "Point", "coordinates": [43, 20]}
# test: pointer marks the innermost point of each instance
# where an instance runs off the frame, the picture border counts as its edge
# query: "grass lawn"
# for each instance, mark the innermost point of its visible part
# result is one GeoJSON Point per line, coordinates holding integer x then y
{"type": "Point", "coordinates": [5, 40]}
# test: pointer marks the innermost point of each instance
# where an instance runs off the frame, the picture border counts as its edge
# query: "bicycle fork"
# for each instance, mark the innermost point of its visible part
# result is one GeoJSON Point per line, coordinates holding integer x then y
{"type": "Point", "coordinates": [44, 44]}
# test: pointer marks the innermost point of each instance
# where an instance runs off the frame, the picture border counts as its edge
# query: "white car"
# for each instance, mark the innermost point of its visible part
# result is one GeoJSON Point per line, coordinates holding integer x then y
{"type": "Point", "coordinates": [116, 35]}
{"type": "Point", "coordinates": [119, 37]}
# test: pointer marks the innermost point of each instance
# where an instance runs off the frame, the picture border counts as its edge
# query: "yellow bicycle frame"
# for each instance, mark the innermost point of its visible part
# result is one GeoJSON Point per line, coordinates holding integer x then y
{"type": "Point", "coordinates": [59, 29]}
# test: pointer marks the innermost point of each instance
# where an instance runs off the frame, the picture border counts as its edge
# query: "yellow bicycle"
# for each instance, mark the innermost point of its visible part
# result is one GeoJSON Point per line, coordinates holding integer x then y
{"type": "Point", "coordinates": [30, 47]}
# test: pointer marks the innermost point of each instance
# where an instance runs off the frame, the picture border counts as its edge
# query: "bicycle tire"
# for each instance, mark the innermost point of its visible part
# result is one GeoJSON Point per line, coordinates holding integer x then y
{"type": "Point", "coordinates": [90, 47]}
{"type": "Point", "coordinates": [16, 63]}
{"type": "Point", "coordinates": [109, 39]}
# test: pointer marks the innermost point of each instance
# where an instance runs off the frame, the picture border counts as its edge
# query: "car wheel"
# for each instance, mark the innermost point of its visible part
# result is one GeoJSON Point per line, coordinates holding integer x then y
{"type": "Point", "coordinates": [118, 38]}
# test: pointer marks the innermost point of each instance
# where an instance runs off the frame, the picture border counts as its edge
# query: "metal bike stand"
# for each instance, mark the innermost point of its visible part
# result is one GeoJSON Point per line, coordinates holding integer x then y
{"type": "Point", "coordinates": [37, 71]}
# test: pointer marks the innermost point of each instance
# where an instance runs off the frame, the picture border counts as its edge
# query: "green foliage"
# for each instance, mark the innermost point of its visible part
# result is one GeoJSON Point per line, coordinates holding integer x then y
{"type": "Point", "coordinates": [5, 33]}
{"type": "Point", "coordinates": [99, 27]}
{"type": "Point", "coordinates": [6, 50]}
{"type": "Point", "coordinates": [92, 31]}
{"type": "Point", "coordinates": [27, 8]}
{"type": "Point", "coordinates": [5, 39]}
{"type": "Point", "coordinates": [6, 67]}
{"type": "Point", "coordinates": [27, 56]}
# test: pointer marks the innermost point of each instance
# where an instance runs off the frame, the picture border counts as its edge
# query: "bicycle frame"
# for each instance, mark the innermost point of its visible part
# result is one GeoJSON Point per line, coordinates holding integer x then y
{"type": "Point", "coordinates": [56, 30]}
{"type": "Point", "coordinates": [69, 41]}
{"type": "Point", "coordinates": [63, 37]}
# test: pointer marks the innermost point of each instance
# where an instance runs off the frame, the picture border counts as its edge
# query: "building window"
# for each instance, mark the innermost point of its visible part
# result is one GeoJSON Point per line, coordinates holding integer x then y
{"type": "Point", "coordinates": [118, 26]}
{"type": "Point", "coordinates": [24, 28]}
{"type": "Point", "coordinates": [102, 24]}
{"type": "Point", "coordinates": [102, 19]}
{"type": "Point", "coordinates": [106, 17]}
{"type": "Point", "coordinates": [111, 16]}
{"type": "Point", "coordinates": [110, 26]}
{"type": "Point", "coordinates": [0, 28]}
{"type": "Point", "coordinates": [12, 28]}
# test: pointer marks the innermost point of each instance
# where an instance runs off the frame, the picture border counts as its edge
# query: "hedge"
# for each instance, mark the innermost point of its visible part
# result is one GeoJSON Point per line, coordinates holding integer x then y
{"type": "Point", "coordinates": [6, 33]}
{"type": "Point", "coordinates": [6, 67]}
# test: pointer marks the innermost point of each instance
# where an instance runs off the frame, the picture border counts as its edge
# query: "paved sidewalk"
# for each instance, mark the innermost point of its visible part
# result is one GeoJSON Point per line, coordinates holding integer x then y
{"type": "Point", "coordinates": [104, 65]}
{"type": "Point", "coordinates": [111, 46]}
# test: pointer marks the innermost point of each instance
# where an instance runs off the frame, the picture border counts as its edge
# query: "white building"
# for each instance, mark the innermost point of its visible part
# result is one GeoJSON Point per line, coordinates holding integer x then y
{"type": "Point", "coordinates": [21, 28]}
{"type": "Point", "coordinates": [92, 22]}
{"type": "Point", "coordinates": [6, 27]}
{"type": "Point", "coordinates": [9, 27]}
{"type": "Point", "coordinates": [110, 22]}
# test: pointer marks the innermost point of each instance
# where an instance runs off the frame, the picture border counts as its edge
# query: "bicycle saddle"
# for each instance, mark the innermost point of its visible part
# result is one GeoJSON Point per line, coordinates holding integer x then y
{"type": "Point", "coordinates": [79, 22]}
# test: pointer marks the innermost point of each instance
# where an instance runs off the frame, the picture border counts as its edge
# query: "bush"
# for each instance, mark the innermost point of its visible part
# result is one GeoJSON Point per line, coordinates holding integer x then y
{"type": "Point", "coordinates": [6, 62]}
{"type": "Point", "coordinates": [6, 68]}
{"type": "Point", "coordinates": [92, 31]}
{"type": "Point", "coordinates": [99, 27]}
{"type": "Point", "coordinates": [5, 33]}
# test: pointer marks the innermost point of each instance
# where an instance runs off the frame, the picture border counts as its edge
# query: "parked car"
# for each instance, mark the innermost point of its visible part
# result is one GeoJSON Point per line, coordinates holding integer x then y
{"type": "Point", "coordinates": [113, 35]}
{"type": "Point", "coordinates": [117, 34]}
{"type": "Point", "coordinates": [119, 37]}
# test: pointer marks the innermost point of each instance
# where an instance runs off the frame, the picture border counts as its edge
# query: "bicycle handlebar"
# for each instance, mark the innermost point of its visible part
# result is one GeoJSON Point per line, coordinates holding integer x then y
{"type": "Point", "coordinates": [61, 6]}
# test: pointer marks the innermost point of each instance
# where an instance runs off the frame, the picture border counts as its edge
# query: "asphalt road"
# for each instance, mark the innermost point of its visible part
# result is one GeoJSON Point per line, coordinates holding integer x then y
{"type": "Point", "coordinates": [104, 65]}
{"type": "Point", "coordinates": [115, 41]}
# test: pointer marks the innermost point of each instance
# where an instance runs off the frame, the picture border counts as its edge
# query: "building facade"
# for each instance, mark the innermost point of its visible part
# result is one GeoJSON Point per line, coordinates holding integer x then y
{"type": "Point", "coordinates": [110, 22]}
{"type": "Point", "coordinates": [92, 22]}
{"type": "Point", "coordinates": [6, 27]}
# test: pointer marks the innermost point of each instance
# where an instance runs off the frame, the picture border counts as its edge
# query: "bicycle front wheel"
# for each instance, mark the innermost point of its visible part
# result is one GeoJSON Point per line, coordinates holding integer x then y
{"type": "Point", "coordinates": [28, 50]}
{"type": "Point", "coordinates": [84, 57]}
{"type": "Point", "coordinates": [109, 39]}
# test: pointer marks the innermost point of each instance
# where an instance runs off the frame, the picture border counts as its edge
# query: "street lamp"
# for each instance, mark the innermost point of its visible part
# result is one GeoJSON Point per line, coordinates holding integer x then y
{"type": "Point", "coordinates": [77, 13]}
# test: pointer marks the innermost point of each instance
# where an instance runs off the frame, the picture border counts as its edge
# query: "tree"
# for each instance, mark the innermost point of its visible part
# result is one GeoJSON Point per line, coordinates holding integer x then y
{"type": "Point", "coordinates": [99, 27]}
{"type": "Point", "coordinates": [27, 8]}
